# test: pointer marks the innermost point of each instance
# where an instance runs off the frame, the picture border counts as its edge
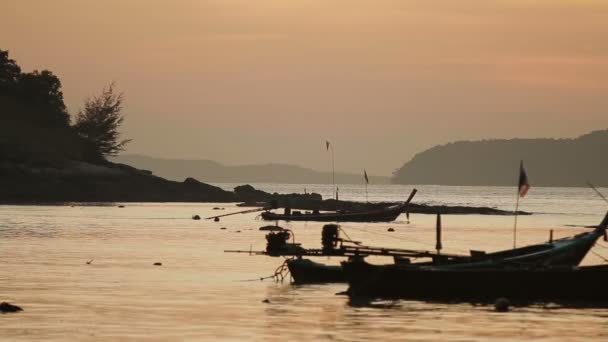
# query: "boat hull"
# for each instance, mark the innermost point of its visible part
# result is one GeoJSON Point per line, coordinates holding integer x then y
{"type": "Point", "coordinates": [477, 284]}
{"type": "Point", "coordinates": [306, 271]}
{"type": "Point", "coordinates": [382, 215]}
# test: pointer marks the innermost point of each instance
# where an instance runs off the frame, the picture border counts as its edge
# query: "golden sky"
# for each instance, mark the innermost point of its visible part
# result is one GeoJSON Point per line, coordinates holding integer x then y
{"type": "Point", "coordinates": [251, 81]}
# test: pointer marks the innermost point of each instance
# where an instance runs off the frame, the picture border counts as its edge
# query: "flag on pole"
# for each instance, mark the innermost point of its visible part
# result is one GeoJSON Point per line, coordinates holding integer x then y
{"type": "Point", "coordinates": [365, 176]}
{"type": "Point", "coordinates": [327, 145]}
{"type": "Point", "coordinates": [524, 185]}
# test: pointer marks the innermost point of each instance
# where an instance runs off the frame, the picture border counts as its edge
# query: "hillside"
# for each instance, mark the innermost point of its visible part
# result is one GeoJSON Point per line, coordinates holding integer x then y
{"type": "Point", "coordinates": [549, 162]}
{"type": "Point", "coordinates": [214, 172]}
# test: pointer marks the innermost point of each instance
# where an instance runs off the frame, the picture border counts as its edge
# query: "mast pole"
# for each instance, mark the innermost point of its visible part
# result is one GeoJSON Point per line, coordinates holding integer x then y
{"type": "Point", "coordinates": [333, 173]}
{"type": "Point", "coordinates": [515, 224]}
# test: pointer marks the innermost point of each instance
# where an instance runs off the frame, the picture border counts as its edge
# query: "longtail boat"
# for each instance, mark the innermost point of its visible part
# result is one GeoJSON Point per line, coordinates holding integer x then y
{"type": "Point", "coordinates": [386, 214]}
{"type": "Point", "coordinates": [528, 283]}
{"type": "Point", "coordinates": [549, 271]}
{"type": "Point", "coordinates": [568, 251]}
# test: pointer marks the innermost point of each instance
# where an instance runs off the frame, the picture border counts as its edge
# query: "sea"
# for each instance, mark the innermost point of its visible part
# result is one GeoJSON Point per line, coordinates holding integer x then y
{"type": "Point", "coordinates": [85, 272]}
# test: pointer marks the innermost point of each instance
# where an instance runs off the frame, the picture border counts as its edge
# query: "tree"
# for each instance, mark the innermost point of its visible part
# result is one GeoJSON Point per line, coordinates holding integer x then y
{"type": "Point", "coordinates": [100, 120]}
{"type": "Point", "coordinates": [43, 89]}
{"type": "Point", "coordinates": [9, 72]}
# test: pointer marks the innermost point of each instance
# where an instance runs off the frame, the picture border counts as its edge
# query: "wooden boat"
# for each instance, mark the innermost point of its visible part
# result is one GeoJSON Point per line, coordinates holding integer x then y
{"type": "Point", "coordinates": [545, 283]}
{"type": "Point", "coordinates": [386, 214]}
{"type": "Point", "coordinates": [306, 271]}
{"type": "Point", "coordinates": [547, 272]}
{"type": "Point", "coordinates": [569, 251]}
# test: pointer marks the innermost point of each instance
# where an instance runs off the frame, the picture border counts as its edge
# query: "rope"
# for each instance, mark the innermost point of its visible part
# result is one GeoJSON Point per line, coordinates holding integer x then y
{"type": "Point", "coordinates": [403, 239]}
{"type": "Point", "coordinates": [279, 273]}
{"type": "Point", "coordinates": [599, 256]}
{"type": "Point", "coordinates": [602, 246]}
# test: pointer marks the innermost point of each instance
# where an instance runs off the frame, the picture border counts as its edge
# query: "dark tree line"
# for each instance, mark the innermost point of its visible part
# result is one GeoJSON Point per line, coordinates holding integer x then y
{"type": "Point", "coordinates": [97, 124]}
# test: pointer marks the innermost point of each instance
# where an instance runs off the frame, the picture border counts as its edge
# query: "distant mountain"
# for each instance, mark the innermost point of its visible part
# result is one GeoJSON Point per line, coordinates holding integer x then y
{"type": "Point", "coordinates": [549, 162]}
{"type": "Point", "coordinates": [214, 172]}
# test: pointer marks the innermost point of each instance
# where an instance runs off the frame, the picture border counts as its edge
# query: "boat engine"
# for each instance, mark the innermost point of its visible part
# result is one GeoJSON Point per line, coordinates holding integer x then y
{"type": "Point", "coordinates": [330, 237]}
{"type": "Point", "coordinates": [277, 242]}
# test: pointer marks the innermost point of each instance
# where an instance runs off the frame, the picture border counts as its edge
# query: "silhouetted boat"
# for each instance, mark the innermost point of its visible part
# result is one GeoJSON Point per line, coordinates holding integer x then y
{"type": "Point", "coordinates": [306, 271]}
{"type": "Point", "coordinates": [543, 272]}
{"type": "Point", "coordinates": [386, 214]}
{"type": "Point", "coordinates": [569, 251]}
{"type": "Point", "coordinates": [544, 283]}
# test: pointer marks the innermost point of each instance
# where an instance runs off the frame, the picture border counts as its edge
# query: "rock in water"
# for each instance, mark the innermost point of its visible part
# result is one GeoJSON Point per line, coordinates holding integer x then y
{"type": "Point", "coordinates": [391, 229]}
{"type": "Point", "coordinates": [501, 305]}
{"type": "Point", "coordinates": [8, 307]}
{"type": "Point", "coordinates": [196, 217]}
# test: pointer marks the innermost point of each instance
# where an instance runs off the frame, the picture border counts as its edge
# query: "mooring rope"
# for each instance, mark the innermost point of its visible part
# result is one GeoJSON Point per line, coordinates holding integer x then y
{"type": "Point", "coordinates": [280, 273]}
{"type": "Point", "coordinates": [599, 256]}
{"type": "Point", "coordinates": [404, 239]}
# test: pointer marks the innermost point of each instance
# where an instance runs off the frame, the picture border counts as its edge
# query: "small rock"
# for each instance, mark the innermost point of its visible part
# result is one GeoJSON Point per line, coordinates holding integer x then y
{"type": "Point", "coordinates": [8, 307]}
{"type": "Point", "coordinates": [196, 217]}
{"type": "Point", "coordinates": [501, 305]}
{"type": "Point", "coordinates": [158, 264]}
{"type": "Point", "coordinates": [391, 229]}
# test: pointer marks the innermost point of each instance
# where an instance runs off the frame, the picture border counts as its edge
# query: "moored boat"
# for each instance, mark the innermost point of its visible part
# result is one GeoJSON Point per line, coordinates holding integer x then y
{"type": "Point", "coordinates": [545, 283]}
{"type": "Point", "coordinates": [387, 214]}
{"type": "Point", "coordinates": [306, 271]}
{"type": "Point", "coordinates": [569, 251]}
{"type": "Point", "coordinates": [543, 274]}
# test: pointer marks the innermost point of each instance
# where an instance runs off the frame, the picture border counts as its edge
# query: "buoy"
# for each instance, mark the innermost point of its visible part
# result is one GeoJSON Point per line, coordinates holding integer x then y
{"type": "Point", "coordinates": [391, 229]}
{"type": "Point", "coordinates": [196, 217]}
{"type": "Point", "coordinates": [8, 307]}
{"type": "Point", "coordinates": [158, 264]}
{"type": "Point", "coordinates": [217, 219]}
{"type": "Point", "coordinates": [501, 305]}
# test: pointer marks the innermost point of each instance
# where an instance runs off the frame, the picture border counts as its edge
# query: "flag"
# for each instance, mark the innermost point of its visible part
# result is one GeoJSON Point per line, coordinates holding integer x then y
{"type": "Point", "coordinates": [524, 185]}
{"type": "Point", "coordinates": [327, 144]}
{"type": "Point", "coordinates": [365, 176]}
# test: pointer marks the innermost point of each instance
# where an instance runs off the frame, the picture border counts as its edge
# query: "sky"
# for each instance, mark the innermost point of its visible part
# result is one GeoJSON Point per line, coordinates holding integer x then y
{"type": "Point", "coordinates": [247, 82]}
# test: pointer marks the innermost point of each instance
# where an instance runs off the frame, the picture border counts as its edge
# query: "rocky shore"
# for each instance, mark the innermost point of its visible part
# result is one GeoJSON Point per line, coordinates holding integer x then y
{"type": "Point", "coordinates": [75, 181]}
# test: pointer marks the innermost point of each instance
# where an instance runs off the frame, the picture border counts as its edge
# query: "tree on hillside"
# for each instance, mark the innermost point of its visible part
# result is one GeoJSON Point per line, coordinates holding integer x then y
{"type": "Point", "coordinates": [99, 121]}
{"type": "Point", "coordinates": [43, 89]}
{"type": "Point", "coordinates": [9, 72]}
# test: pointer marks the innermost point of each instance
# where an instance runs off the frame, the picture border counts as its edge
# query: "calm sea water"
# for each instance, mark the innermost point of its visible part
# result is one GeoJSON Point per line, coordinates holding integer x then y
{"type": "Point", "coordinates": [202, 293]}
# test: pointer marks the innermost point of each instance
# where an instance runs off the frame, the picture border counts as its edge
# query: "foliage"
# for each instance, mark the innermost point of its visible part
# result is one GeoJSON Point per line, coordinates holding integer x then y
{"type": "Point", "coordinates": [39, 88]}
{"type": "Point", "coordinates": [9, 72]}
{"type": "Point", "coordinates": [100, 120]}
{"type": "Point", "coordinates": [44, 90]}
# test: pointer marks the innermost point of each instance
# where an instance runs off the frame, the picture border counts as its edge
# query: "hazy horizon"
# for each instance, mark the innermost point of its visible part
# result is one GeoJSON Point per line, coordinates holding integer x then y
{"type": "Point", "coordinates": [243, 82]}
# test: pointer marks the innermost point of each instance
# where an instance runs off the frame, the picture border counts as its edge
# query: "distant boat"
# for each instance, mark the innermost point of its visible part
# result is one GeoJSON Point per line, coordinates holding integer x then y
{"type": "Point", "coordinates": [387, 214]}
